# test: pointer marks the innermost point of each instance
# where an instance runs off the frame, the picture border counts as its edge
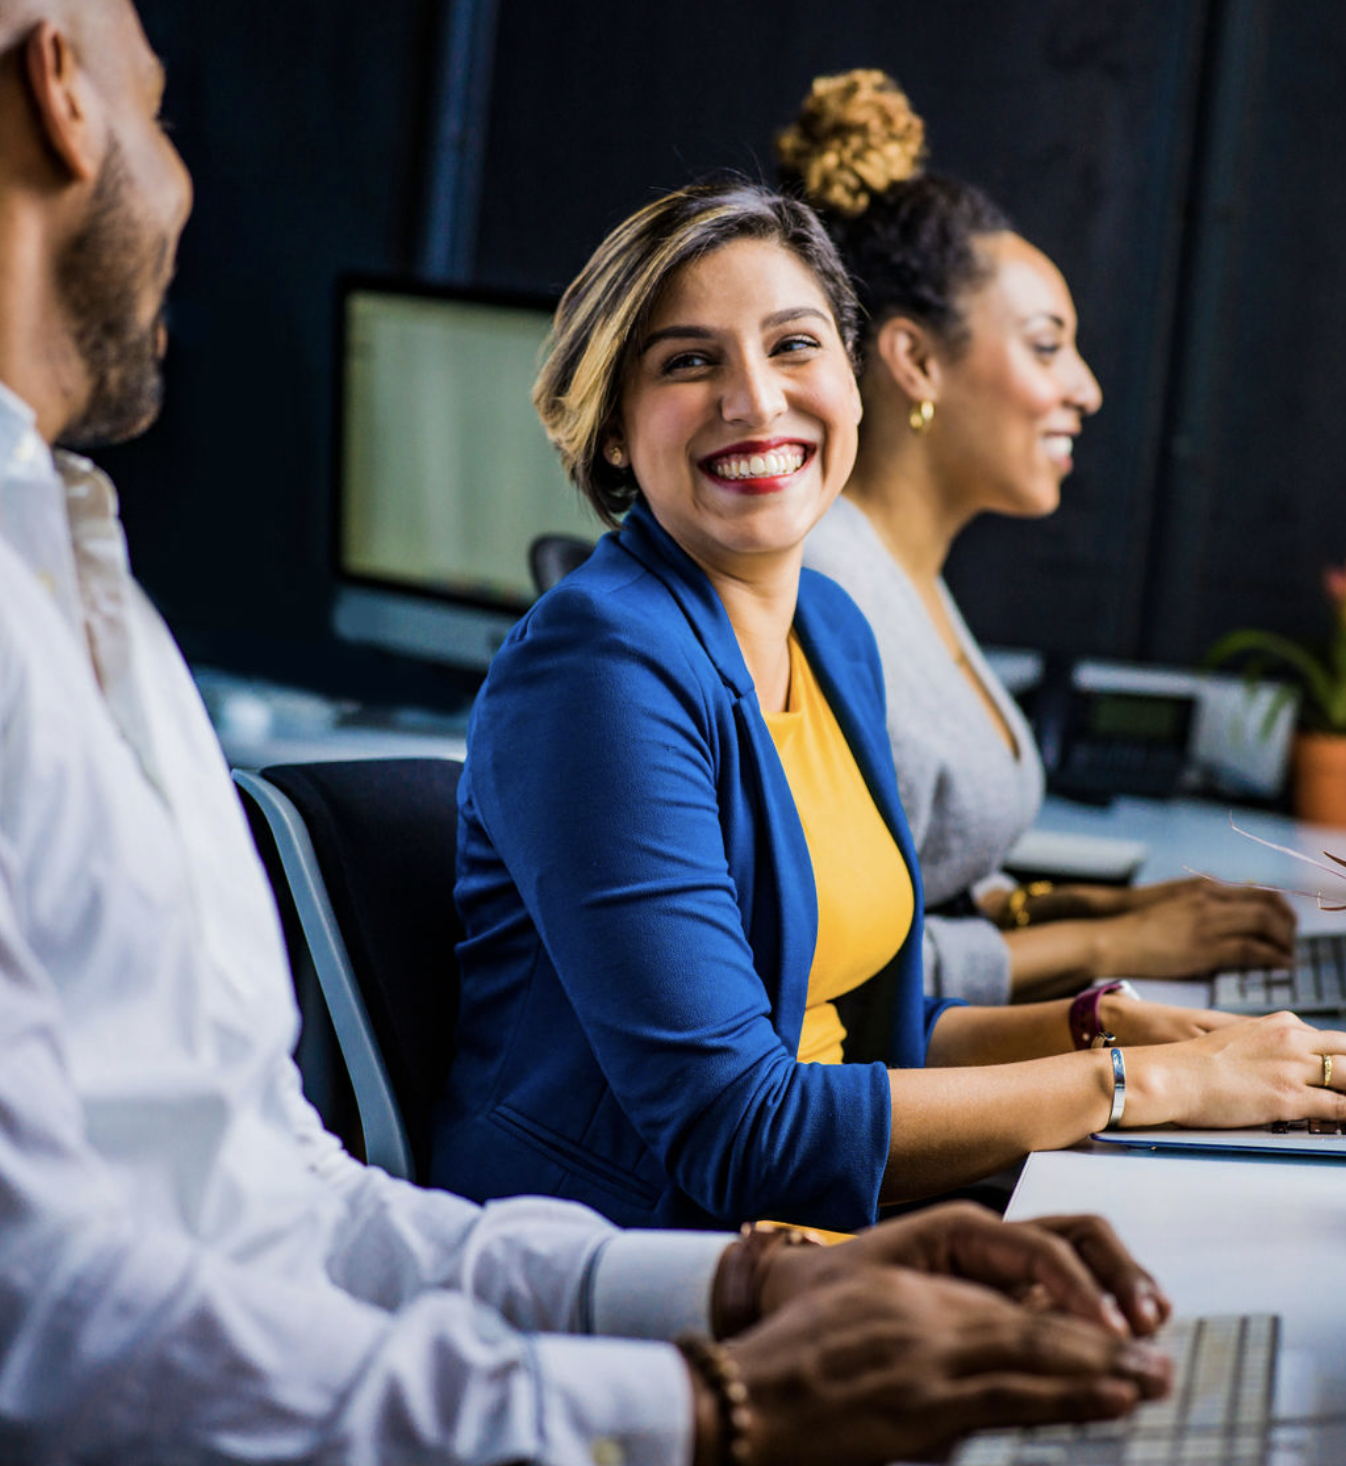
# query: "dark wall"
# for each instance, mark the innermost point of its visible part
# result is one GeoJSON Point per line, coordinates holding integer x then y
{"type": "Point", "coordinates": [1255, 469]}
{"type": "Point", "coordinates": [1176, 157]}
{"type": "Point", "coordinates": [303, 125]}
{"type": "Point", "coordinates": [1076, 114]}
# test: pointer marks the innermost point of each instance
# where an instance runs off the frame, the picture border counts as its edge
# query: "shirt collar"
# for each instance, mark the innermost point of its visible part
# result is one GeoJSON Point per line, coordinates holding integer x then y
{"type": "Point", "coordinates": [58, 513]}
{"type": "Point", "coordinates": [51, 498]}
{"type": "Point", "coordinates": [21, 446]}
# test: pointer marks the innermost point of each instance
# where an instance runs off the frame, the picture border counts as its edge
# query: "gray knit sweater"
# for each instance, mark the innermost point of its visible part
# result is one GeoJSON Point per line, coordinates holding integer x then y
{"type": "Point", "coordinates": [966, 796]}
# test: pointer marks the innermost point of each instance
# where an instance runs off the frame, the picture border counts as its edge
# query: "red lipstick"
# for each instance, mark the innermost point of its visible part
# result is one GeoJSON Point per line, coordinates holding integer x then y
{"type": "Point", "coordinates": [758, 465]}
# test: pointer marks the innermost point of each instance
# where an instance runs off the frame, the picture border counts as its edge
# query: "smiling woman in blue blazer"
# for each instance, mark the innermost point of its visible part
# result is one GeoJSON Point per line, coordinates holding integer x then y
{"type": "Point", "coordinates": [680, 836]}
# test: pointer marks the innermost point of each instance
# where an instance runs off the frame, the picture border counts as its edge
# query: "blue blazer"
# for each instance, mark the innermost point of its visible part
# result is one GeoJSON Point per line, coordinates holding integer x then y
{"type": "Point", "coordinates": [640, 913]}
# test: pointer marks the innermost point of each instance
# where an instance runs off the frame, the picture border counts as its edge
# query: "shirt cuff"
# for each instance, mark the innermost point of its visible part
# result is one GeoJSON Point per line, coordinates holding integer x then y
{"type": "Point", "coordinates": [654, 1285]}
{"type": "Point", "coordinates": [998, 880]}
{"type": "Point", "coordinates": [614, 1403]}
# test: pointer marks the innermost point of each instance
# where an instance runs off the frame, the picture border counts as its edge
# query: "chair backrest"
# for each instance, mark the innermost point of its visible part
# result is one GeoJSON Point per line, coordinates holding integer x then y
{"type": "Point", "coordinates": [367, 852]}
{"type": "Point", "coordinates": [553, 556]}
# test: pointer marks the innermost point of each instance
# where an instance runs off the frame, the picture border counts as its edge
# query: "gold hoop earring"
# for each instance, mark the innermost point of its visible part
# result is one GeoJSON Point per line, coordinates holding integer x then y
{"type": "Point", "coordinates": [922, 415]}
{"type": "Point", "coordinates": [615, 456]}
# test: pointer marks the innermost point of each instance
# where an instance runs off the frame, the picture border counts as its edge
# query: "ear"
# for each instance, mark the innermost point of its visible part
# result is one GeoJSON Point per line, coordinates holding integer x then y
{"type": "Point", "coordinates": [62, 100]}
{"type": "Point", "coordinates": [614, 446]}
{"type": "Point", "coordinates": [907, 351]}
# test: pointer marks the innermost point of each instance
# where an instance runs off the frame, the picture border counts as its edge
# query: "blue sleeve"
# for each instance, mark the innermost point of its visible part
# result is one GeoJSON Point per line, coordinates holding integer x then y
{"type": "Point", "coordinates": [594, 768]}
{"type": "Point", "coordinates": [933, 1008]}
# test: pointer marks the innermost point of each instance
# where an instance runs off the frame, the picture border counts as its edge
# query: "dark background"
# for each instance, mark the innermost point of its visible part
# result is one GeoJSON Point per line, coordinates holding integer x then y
{"type": "Point", "coordinates": [1178, 159]}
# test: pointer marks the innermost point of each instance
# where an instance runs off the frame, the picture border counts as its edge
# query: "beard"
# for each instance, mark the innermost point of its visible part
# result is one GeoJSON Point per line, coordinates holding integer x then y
{"type": "Point", "coordinates": [101, 275]}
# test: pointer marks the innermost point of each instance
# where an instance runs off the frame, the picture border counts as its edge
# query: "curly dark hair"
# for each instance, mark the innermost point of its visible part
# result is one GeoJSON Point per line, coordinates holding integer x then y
{"type": "Point", "coordinates": [907, 237]}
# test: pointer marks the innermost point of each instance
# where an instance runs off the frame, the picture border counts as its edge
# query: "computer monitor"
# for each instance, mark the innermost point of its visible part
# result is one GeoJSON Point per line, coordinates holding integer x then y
{"type": "Point", "coordinates": [444, 475]}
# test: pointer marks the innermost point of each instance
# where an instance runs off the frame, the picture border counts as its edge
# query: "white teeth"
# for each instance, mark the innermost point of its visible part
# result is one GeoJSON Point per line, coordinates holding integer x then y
{"type": "Point", "coordinates": [776, 464]}
{"type": "Point", "coordinates": [1059, 445]}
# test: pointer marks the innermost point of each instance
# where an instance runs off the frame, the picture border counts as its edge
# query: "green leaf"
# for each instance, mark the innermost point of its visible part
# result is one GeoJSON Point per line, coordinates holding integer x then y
{"type": "Point", "coordinates": [1326, 692]}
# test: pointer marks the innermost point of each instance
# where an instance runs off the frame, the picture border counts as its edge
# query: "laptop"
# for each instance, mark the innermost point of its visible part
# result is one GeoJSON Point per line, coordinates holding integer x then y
{"type": "Point", "coordinates": [1292, 1140]}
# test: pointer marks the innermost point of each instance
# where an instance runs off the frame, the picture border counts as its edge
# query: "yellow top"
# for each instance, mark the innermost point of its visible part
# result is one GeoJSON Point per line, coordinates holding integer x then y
{"type": "Point", "coordinates": [865, 899]}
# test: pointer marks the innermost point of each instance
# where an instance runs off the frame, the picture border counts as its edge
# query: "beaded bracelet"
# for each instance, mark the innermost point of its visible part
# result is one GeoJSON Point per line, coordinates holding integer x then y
{"type": "Point", "coordinates": [737, 1302]}
{"type": "Point", "coordinates": [719, 1370]}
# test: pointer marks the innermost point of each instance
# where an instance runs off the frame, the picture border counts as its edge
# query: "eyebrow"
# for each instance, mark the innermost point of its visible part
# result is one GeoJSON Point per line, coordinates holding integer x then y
{"type": "Point", "coordinates": [704, 333]}
{"type": "Point", "coordinates": [1051, 316]}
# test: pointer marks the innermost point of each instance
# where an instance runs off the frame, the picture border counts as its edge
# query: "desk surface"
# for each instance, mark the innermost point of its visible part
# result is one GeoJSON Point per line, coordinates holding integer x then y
{"type": "Point", "coordinates": [1182, 835]}
{"type": "Point", "coordinates": [260, 723]}
{"type": "Point", "coordinates": [1229, 1236]}
{"type": "Point", "coordinates": [1224, 1236]}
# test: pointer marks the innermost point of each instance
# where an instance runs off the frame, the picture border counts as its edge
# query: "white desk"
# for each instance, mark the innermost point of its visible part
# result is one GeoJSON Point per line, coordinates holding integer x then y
{"type": "Point", "coordinates": [1183, 835]}
{"type": "Point", "coordinates": [1226, 1236]}
{"type": "Point", "coordinates": [1191, 834]}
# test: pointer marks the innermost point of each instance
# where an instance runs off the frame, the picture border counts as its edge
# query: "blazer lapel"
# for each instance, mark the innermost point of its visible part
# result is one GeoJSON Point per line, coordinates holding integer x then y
{"type": "Point", "coordinates": [780, 903]}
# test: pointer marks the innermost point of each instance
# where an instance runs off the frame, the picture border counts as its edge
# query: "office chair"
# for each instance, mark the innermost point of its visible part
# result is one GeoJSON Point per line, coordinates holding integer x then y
{"type": "Point", "coordinates": [361, 856]}
{"type": "Point", "coordinates": [552, 556]}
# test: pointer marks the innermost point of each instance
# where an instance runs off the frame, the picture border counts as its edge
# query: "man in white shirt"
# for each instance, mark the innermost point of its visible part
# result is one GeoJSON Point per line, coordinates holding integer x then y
{"type": "Point", "coordinates": [191, 1269]}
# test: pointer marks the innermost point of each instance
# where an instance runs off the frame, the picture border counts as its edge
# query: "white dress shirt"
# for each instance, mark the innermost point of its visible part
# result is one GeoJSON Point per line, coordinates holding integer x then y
{"type": "Point", "coordinates": [191, 1269]}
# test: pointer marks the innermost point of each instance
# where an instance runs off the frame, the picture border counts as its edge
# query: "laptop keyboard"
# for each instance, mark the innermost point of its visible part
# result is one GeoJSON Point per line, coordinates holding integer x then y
{"type": "Point", "coordinates": [1218, 1413]}
{"type": "Point", "coordinates": [1316, 984]}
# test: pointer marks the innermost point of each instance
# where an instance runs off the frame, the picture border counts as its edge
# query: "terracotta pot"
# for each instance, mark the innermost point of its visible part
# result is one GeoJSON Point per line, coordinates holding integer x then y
{"type": "Point", "coordinates": [1318, 778]}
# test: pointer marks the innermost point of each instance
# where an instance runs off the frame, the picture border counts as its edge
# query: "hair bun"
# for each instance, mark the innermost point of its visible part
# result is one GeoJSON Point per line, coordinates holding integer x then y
{"type": "Point", "coordinates": [856, 136]}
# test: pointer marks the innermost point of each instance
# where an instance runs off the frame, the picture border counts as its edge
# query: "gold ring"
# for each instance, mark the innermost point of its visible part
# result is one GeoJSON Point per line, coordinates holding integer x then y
{"type": "Point", "coordinates": [1327, 1070]}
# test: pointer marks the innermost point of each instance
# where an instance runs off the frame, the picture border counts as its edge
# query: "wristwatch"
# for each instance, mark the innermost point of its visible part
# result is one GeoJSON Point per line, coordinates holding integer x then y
{"type": "Point", "coordinates": [1086, 1030]}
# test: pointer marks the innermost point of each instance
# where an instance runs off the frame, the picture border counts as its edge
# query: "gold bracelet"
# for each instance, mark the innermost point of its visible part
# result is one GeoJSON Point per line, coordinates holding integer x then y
{"type": "Point", "coordinates": [1016, 906]}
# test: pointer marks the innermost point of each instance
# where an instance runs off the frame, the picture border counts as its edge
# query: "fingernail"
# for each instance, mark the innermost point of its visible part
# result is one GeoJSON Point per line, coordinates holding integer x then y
{"type": "Point", "coordinates": [1147, 1360]}
{"type": "Point", "coordinates": [1114, 1317]}
{"type": "Point", "coordinates": [1147, 1305]}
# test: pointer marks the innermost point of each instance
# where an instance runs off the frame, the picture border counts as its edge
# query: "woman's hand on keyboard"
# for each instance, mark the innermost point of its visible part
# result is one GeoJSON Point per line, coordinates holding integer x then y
{"type": "Point", "coordinates": [1242, 1074]}
{"type": "Point", "coordinates": [1074, 1264]}
{"type": "Point", "coordinates": [1186, 928]}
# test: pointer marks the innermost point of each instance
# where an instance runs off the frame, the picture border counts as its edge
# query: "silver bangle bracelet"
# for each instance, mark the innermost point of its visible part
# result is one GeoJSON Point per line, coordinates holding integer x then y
{"type": "Point", "coordinates": [1118, 1089]}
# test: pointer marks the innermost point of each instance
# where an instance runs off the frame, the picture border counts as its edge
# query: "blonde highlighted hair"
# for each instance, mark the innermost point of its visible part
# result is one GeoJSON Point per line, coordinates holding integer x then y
{"type": "Point", "coordinates": [602, 315]}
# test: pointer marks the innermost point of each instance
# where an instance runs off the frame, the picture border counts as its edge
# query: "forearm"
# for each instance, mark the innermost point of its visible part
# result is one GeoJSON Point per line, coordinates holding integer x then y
{"type": "Point", "coordinates": [1177, 930]}
{"type": "Point", "coordinates": [970, 1036]}
{"type": "Point", "coordinates": [952, 1126]}
{"type": "Point", "coordinates": [182, 1357]}
{"type": "Point", "coordinates": [545, 1265]}
{"type": "Point", "coordinates": [1056, 957]}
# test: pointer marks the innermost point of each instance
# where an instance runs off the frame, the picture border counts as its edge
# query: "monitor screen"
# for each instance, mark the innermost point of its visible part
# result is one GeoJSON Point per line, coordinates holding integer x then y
{"type": "Point", "coordinates": [444, 475]}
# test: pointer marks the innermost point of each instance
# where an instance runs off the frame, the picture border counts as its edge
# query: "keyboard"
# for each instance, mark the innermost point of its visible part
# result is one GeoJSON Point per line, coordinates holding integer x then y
{"type": "Point", "coordinates": [1316, 984]}
{"type": "Point", "coordinates": [1218, 1413]}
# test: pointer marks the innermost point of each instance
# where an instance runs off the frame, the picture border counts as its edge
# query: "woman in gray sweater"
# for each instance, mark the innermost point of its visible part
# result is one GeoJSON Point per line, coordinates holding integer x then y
{"type": "Point", "coordinates": [974, 392]}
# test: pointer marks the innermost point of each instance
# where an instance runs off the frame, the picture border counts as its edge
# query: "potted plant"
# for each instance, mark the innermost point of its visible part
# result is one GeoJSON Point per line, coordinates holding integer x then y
{"type": "Point", "coordinates": [1318, 767]}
